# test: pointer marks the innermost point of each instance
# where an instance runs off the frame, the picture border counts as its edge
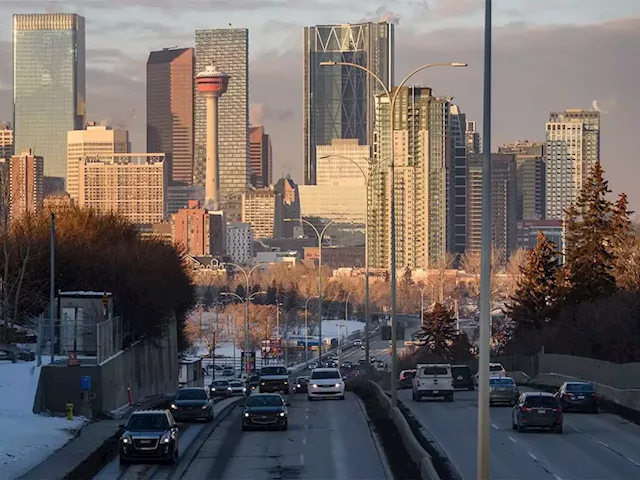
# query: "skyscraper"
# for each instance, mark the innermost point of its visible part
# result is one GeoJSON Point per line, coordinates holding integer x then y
{"type": "Point", "coordinates": [228, 49]}
{"type": "Point", "coordinates": [48, 85]}
{"type": "Point", "coordinates": [170, 110]}
{"type": "Point", "coordinates": [429, 146]}
{"type": "Point", "coordinates": [572, 149]}
{"type": "Point", "coordinates": [261, 157]}
{"type": "Point", "coordinates": [339, 102]}
{"type": "Point", "coordinates": [531, 178]}
{"type": "Point", "coordinates": [472, 137]}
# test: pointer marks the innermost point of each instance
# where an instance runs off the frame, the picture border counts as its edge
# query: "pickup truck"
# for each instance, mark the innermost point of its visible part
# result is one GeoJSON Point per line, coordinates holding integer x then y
{"type": "Point", "coordinates": [433, 380]}
{"type": "Point", "coordinates": [274, 380]}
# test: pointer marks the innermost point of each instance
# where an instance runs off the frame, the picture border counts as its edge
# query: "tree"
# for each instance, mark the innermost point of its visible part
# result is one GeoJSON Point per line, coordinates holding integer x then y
{"type": "Point", "coordinates": [437, 333]}
{"type": "Point", "coordinates": [625, 246]}
{"type": "Point", "coordinates": [209, 331]}
{"type": "Point", "coordinates": [534, 301]}
{"type": "Point", "coordinates": [590, 240]}
{"type": "Point", "coordinates": [513, 272]}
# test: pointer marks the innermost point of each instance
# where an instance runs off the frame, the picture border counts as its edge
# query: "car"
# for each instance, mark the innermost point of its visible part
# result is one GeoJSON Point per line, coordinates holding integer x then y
{"type": "Point", "coordinates": [357, 343]}
{"type": "Point", "coordinates": [462, 377]}
{"type": "Point", "coordinates": [503, 390]}
{"type": "Point", "coordinates": [495, 370]}
{"type": "Point", "coordinates": [251, 384]}
{"type": "Point", "coordinates": [238, 387]}
{"type": "Point", "coordinates": [537, 410]}
{"type": "Point", "coordinates": [406, 378]}
{"type": "Point", "coordinates": [347, 365]}
{"type": "Point", "coordinates": [220, 389]}
{"type": "Point", "coordinates": [274, 379]}
{"type": "Point", "coordinates": [433, 380]}
{"type": "Point", "coordinates": [192, 403]}
{"type": "Point", "coordinates": [228, 371]}
{"type": "Point", "coordinates": [372, 359]}
{"type": "Point", "coordinates": [579, 396]}
{"type": "Point", "coordinates": [301, 385]}
{"type": "Point", "coordinates": [363, 363]}
{"type": "Point", "coordinates": [265, 410]}
{"type": "Point", "coordinates": [313, 365]}
{"type": "Point", "coordinates": [325, 383]}
{"type": "Point", "coordinates": [149, 435]}
{"type": "Point", "coordinates": [363, 347]}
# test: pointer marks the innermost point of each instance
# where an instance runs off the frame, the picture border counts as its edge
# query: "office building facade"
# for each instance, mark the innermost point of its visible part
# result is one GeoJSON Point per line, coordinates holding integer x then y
{"type": "Point", "coordinates": [228, 49]}
{"type": "Point", "coordinates": [339, 101]}
{"type": "Point", "coordinates": [572, 149]}
{"type": "Point", "coordinates": [6, 142]}
{"type": "Point", "coordinates": [48, 85]}
{"type": "Point", "coordinates": [531, 178]}
{"type": "Point", "coordinates": [472, 137]}
{"type": "Point", "coordinates": [262, 209]}
{"type": "Point", "coordinates": [240, 243]}
{"type": "Point", "coordinates": [199, 231]}
{"type": "Point", "coordinates": [261, 156]}
{"type": "Point", "coordinates": [170, 97]}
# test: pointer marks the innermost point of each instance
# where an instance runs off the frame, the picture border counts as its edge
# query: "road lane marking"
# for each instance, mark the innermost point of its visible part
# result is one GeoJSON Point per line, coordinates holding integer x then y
{"type": "Point", "coordinates": [302, 459]}
{"type": "Point", "coordinates": [608, 447]}
{"type": "Point", "coordinates": [557, 477]}
{"type": "Point", "coordinates": [495, 426]}
{"type": "Point", "coordinates": [513, 439]}
{"type": "Point", "coordinates": [604, 444]}
{"type": "Point", "coordinates": [535, 459]}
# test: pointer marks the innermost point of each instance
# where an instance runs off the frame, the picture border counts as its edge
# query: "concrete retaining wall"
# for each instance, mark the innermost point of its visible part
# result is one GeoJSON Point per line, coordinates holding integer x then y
{"type": "Point", "coordinates": [622, 376]}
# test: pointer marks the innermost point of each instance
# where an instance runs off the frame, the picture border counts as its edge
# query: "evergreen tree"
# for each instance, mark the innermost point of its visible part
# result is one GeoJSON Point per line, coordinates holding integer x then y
{"type": "Point", "coordinates": [438, 332]}
{"type": "Point", "coordinates": [623, 241]}
{"type": "Point", "coordinates": [532, 305]}
{"type": "Point", "coordinates": [589, 241]}
{"type": "Point", "coordinates": [407, 279]}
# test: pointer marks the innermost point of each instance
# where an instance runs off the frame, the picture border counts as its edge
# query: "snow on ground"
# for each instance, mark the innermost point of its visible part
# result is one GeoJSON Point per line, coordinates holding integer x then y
{"type": "Point", "coordinates": [26, 439]}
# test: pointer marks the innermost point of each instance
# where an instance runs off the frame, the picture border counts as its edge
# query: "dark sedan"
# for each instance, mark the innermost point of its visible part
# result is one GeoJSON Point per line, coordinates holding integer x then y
{"type": "Point", "coordinates": [192, 404]}
{"type": "Point", "coordinates": [537, 410]}
{"type": "Point", "coordinates": [580, 396]}
{"type": "Point", "coordinates": [252, 384]}
{"type": "Point", "coordinates": [220, 389]}
{"type": "Point", "coordinates": [265, 410]}
{"type": "Point", "coordinates": [301, 385]}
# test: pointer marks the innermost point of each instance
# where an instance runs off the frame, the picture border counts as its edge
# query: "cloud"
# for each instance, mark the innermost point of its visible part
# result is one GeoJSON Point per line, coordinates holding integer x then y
{"type": "Point", "coordinates": [382, 14]}
{"type": "Point", "coordinates": [260, 113]}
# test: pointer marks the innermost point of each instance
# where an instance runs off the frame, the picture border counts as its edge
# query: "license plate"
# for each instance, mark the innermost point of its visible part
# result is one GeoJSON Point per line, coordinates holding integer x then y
{"type": "Point", "coordinates": [436, 391]}
{"type": "Point", "coordinates": [145, 442]}
{"type": "Point", "coordinates": [541, 412]}
{"type": "Point", "coordinates": [580, 397]}
{"type": "Point", "coordinates": [459, 377]}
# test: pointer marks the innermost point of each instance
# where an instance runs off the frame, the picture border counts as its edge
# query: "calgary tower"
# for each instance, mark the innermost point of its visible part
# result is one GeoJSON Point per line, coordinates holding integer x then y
{"type": "Point", "coordinates": [212, 84]}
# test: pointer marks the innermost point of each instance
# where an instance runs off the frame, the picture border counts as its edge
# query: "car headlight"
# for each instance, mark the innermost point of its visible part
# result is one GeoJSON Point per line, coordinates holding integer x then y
{"type": "Point", "coordinates": [314, 385]}
{"type": "Point", "coordinates": [246, 414]}
{"type": "Point", "coordinates": [166, 438]}
{"type": "Point", "coordinates": [173, 406]}
{"type": "Point", "coordinates": [298, 386]}
{"type": "Point", "coordinates": [213, 389]}
{"type": "Point", "coordinates": [337, 385]}
{"type": "Point", "coordinates": [229, 389]}
{"type": "Point", "coordinates": [262, 383]}
{"type": "Point", "coordinates": [286, 383]}
{"type": "Point", "coordinates": [204, 407]}
{"type": "Point", "coordinates": [244, 389]}
{"type": "Point", "coordinates": [126, 439]}
{"type": "Point", "coordinates": [282, 414]}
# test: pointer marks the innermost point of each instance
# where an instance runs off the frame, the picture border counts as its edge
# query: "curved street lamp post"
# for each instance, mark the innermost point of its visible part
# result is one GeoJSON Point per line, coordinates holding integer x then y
{"type": "Point", "coordinates": [306, 330]}
{"type": "Point", "coordinates": [392, 101]}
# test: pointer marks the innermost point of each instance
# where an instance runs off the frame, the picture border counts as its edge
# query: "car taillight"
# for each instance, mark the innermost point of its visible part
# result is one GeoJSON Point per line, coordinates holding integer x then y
{"type": "Point", "coordinates": [557, 409]}
{"type": "Point", "coordinates": [526, 409]}
{"type": "Point", "coordinates": [568, 395]}
{"type": "Point", "coordinates": [403, 377]}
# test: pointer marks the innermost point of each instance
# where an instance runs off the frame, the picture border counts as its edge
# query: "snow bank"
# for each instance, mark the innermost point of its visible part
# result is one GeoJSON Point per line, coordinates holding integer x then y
{"type": "Point", "coordinates": [26, 439]}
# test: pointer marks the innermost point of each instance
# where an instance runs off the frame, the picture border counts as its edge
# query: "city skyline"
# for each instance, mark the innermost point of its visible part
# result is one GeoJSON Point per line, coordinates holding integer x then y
{"type": "Point", "coordinates": [281, 107]}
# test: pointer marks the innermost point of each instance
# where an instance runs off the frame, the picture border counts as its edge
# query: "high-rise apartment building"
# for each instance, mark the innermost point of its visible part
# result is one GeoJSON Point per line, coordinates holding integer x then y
{"type": "Point", "coordinates": [263, 210]}
{"type": "Point", "coordinates": [531, 178]}
{"type": "Point", "coordinates": [340, 192]}
{"type": "Point", "coordinates": [170, 97]}
{"type": "Point", "coordinates": [261, 154]}
{"type": "Point", "coordinates": [290, 193]}
{"type": "Point", "coordinates": [503, 203]}
{"type": "Point", "coordinates": [6, 142]}
{"type": "Point", "coordinates": [25, 178]}
{"type": "Point", "coordinates": [130, 184]}
{"type": "Point", "coordinates": [429, 145]}
{"type": "Point", "coordinates": [48, 85]}
{"type": "Point", "coordinates": [96, 142]}
{"type": "Point", "coordinates": [240, 243]}
{"type": "Point", "coordinates": [228, 49]}
{"type": "Point", "coordinates": [572, 149]}
{"type": "Point", "coordinates": [199, 231]}
{"type": "Point", "coordinates": [339, 101]}
{"type": "Point", "coordinates": [472, 137]}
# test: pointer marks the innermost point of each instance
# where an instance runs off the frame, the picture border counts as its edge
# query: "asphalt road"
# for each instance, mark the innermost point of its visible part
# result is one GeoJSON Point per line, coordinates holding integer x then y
{"type": "Point", "coordinates": [601, 446]}
{"type": "Point", "coordinates": [325, 439]}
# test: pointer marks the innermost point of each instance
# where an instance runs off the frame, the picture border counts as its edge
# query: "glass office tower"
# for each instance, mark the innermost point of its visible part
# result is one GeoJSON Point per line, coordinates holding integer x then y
{"type": "Point", "coordinates": [48, 85]}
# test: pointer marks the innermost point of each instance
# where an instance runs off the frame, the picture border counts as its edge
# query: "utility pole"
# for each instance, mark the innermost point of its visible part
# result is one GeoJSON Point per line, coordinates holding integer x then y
{"type": "Point", "coordinates": [52, 289]}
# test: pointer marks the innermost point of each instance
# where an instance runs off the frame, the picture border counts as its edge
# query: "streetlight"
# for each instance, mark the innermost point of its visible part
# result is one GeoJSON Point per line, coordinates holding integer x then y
{"type": "Point", "coordinates": [346, 312]}
{"type": "Point", "coordinates": [485, 263]}
{"type": "Point", "coordinates": [246, 314]}
{"type": "Point", "coordinates": [340, 327]}
{"type": "Point", "coordinates": [392, 101]}
{"type": "Point", "coordinates": [245, 301]}
{"type": "Point", "coordinates": [285, 313]}
{"type": "Point", "coordinates": [320, 235]}
{"type": "Point", "coordinates": [367, 178]}
{"type": "Point", "coordinates": [306, 331]}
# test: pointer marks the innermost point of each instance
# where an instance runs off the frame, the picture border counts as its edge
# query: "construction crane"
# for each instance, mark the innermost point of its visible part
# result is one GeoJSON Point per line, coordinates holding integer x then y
{"type": "Point", "coordinates": [125, 123]}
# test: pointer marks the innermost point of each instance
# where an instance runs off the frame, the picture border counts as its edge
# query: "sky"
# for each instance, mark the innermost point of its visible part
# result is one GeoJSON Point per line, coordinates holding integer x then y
{"type": "Point", "coordinates": [548, 55]}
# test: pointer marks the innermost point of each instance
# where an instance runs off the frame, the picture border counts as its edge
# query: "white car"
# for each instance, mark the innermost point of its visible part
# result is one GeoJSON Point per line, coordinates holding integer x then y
{"type": "Point", "coordinates": [357, 343]}
{"type": "Point", "coordinates": [325, 383]}
{"type": "Point", "coordinates": [433, 380]}
{"type": "Point", "coordinates": [495, 370]}
{"type": "Point", "coordinates": [313, 365]}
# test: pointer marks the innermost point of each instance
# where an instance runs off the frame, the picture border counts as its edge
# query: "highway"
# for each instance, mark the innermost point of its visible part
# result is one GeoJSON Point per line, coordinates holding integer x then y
{"type": "Point", "coordinates": [601, 446]}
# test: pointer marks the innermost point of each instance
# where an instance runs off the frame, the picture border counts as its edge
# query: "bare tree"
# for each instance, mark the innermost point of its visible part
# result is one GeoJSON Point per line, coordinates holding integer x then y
{"type": "Point", "coordinates": [470, 262]}
{"type": "Point", "coordinates": [208, 330]}
{"type": "Point", "coordinates": [513, 272]}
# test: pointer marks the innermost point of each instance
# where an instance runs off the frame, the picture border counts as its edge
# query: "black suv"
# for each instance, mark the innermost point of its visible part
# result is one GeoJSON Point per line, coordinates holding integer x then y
{"type": "Point", "coordinates": [462, 377]}
{"type": "Point", "coordinates": [149, 435]}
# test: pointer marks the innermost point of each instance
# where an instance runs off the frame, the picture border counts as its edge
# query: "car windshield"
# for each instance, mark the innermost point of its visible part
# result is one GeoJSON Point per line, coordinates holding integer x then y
{"type": "Point", "coordinates": [264, 401]}
{"type": "Point", "coordinates": [541, 401]}
{"type": "Point", "coordinates": [579, 387]}
{"type": "Point", "coordinates": [236, 384]}
{"type": "Point", "coordinates": [148, 422]}
{"type": "Point", "coordinates": [464, 371]}
{"type": "Point", "coordinates": [496, 368]}
{"type": "Point", "coordinates": [324, 375]}
{"type": "Point", "coordinates": [434, 371]}
{"type": "Point", "coordinates": [273, 371]}
{"type": "Point", "coordinates": [502, 382]}
{"type": "Point", "coordinates": [409, 374]}
{"type": "Point", "coordinates": [254, 378]}
{"type": "Point", "coordinates": [191, 395]}
{"type": "Point", "coordinates": [302, 380]}
{"type": "Point", "coordinates": [220, 383]}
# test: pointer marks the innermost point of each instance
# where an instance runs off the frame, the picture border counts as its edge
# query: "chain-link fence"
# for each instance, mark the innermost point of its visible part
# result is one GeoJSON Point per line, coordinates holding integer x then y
{"type": "Point", "coordinates": [110, 338]}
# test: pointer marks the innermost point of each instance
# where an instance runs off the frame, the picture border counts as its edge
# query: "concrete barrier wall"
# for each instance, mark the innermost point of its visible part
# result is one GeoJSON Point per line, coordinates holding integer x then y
{"type": "Point", "coordinates": [621, 376]}
{"type": "Point", "coordinates": [60, 384]}
{"type": "Point", "coordinates": [148, 367]}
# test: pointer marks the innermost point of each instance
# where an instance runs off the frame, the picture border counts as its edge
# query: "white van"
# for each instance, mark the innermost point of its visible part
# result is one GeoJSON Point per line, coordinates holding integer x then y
{"type": "Point", "coordinates": [433, 380]}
